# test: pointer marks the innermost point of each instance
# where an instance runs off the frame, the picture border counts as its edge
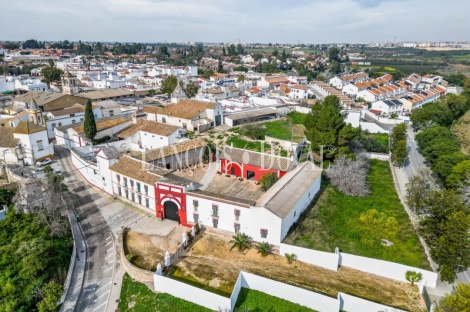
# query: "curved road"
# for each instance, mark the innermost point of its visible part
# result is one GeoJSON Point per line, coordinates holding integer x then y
{"type": "Point", "coordinates": [100, 251]}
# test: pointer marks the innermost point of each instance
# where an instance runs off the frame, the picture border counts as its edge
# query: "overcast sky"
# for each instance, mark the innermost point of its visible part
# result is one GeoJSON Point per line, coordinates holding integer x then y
{"type": "Point", "coordinates": [313, 21]}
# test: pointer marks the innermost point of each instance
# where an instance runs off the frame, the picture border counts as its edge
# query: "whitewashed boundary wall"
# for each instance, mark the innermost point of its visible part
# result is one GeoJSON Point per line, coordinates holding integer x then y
{"type": "Point", "coordinates": [323, 259]}
{"type": "Point", "coordinates": [386, 269]}
{"type": "Point", "coordinates": [190, 293]}
{"type": "Point", "coordinates": [354, 304]}
{"type": "Point", "coordinates": [294, 294]}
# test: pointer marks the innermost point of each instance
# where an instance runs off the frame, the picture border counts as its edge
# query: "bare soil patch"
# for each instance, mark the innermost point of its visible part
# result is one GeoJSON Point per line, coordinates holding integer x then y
{"type": "Point", "coordinates": [210, 263]}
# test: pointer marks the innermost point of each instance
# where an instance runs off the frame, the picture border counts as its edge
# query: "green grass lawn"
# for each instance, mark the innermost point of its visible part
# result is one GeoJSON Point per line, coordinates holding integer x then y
{"type": "Point", "coordinates": [249, 145]}
{"type": "Point", "coordinates": [282, 129]}
{"type": "Point", "coordinates": [334, 221]}
{"type": "Point", "coordinates": [382, 138]}
{"type": "Point", "coordinates": [253, 300]}
{"type": "Point", "coordinates": [137, 297]}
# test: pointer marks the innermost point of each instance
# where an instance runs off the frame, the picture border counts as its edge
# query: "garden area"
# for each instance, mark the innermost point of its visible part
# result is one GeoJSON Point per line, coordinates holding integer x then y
{"type": "Point", "coordinates": [210, 265]}
{"type": "Point", "coordinates": [137, 297]}
{"type": "Point", "coordinates": [253, 300]}
{"type": "Point", "coordinates": [33, 263]}
{"type": "Point", "coordinates": [359, 225]}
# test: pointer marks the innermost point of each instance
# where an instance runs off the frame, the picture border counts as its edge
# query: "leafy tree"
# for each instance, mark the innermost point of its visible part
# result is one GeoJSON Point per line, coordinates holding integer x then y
{"type": "Point", "coordinates": [456, 79]}
{"type": "Point", "coordinates": [51, 74]}
{"type": "Point", "coordinates": [413, 277]}
{"type": "Point", "coordinates": [191, 89]}
{"type": "Point", "coordinates": [437, 141]}
{"type": "Point", "coordinates": [400, 152]}
{"type": "Point", "coordinates": [445, 226]}
{"type": "Point", "coordinates": [459, 173]}
{"type": "Point", "coordinates": [323, 124]}
{"type": "Point", "coordinates": [348, 134]}
{"type": "Point", "coordinates": [418, 189]}
{"type": "Point", "coordinates": [458, 301]}
{"type": "Point", "coordinates": [51, 293]}
{"type": "Point", "coordinates": [268, 180]}
{"type": "Point", "coordinates": [241, 78]}
{"type": "Point", "coordinates": [168, 85]}
{"type": "Point", "coordinates": [371, 144]}
{"type": "Point", "coordinates": [152, 92]}
{"type": "Point", "coordinates": [398, 134]}
{"type": "Point", "coordinates": [224, 53]}
{"type": "Point", "coordinates": [265, 248]}
{"type": "Point", "coordinates": [89, 125]}
{"type": "Point", "coordinates": [333, 54]}
{"type": "Point", "coordinates": [436, 112]}
{"type": "Point", "coordinates": [232, 50]}
{"type": "Point", "coordinates": [5, 197]}
{"type": "Point", "coordinates": [220, 67]}
{"type": "Point", "coordinates": [241, 242]}
{"type": "Point", "coordinates": [240, 49]}
{"type": "Point", "coordinates": [456, 103]}
{"type": "Point", "coordinates": [443, 165]}
{"type": "Point", "coordinates": [163, 50]}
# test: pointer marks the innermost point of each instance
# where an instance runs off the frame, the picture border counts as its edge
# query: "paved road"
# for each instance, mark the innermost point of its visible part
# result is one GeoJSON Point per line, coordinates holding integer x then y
{"type": "Point", "coordinates": [100, 247]}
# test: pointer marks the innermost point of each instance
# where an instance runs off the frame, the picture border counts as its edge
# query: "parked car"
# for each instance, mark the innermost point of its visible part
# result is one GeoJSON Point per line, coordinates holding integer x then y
{"type": "Point", "coordinates": [44, 162]}
{"type": "Point", "coordinates": [57, 172]}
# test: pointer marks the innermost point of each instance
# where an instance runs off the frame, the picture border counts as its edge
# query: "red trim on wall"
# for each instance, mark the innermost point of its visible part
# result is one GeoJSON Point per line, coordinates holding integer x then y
{"type": "Point", "coordinates": [178, 196]}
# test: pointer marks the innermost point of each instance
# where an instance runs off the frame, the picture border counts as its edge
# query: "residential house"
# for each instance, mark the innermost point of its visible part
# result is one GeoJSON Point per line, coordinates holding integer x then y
{"type": "Point", "coordinates": [107, 94]}
{"type": "Point", "coordinates": [388, 92]}
{"type": "Point", "coordinates": [339, 82]}
{"type": "Point", "coordinates": [109, 108]}
{"type": "Point", "coordinates": [298, 91]}
{"type": "Point", "coordinates": [49, 101]}
{"type": "Point", "coordinates": [388, 107]}
{"type": "Point", "coordinates": [68, 116]}
{"type": "Point", "coordinates": [192, 115]}
{"type": "Point", "coordinates": [417, 100]}
{"type": "Point", "coordinates": [149, 134]}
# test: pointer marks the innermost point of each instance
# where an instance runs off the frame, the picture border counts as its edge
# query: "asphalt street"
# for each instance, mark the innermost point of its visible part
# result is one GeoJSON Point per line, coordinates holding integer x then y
{"type": "Point", "coordinates": [100, 249]}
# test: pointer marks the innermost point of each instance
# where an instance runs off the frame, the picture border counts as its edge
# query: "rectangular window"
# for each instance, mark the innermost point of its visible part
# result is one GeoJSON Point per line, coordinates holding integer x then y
{"type": "Point", "coordinates": [196, 217]}
{"type": "Point", "coordinates": [185, 126]}
{"type": "Point", "coordinates": [215, 210]}
{"type": "Point", "coordinates": [60, 124]}
{"type": "Point", "coordinates": [127, 193]}
{"type": "Point", "coordinates": [215, 223]}
{"type": "Point", "coordinates": [73, 121]}
{"type": "Point", "coordinates": [133, 196]}
{"type": "Point", "coordinates": [147, 202]}
{"type": "Point", "coordinates": [139, 199]}
{"type": "Point", "coordinates": [111, 113]}
{"type": "Point", "coordinates": [237, 214]}
{"type": "Point", "coordinates": [81, 119]}
{"type": "Point", "coordinates": [118, 177]}
{"type": "Point", "coordinates": [132, 183]}
{"type": "Point", "coordinates": [40, 146]}
{"type": "Point", "coordinates": [146, 189]}
{"type": "Point", "coordinates": [119, 191]}
{"type": "Point", "coordinates": [125, 181]}
{"type": "Point", "coordinates": [264, 233]}
{"type": "Point", "coordinates": [53, 126]}
{"type": "Point", "coordinates": [163, 119]}
{"type": "Point", "coordinates": [138, 187]}
{"type": "Point", "coordinates": [237, 227]}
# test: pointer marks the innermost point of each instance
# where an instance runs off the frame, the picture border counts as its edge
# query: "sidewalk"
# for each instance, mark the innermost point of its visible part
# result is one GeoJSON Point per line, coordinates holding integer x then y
{"type": "Point", "coordinates": [78, 273]}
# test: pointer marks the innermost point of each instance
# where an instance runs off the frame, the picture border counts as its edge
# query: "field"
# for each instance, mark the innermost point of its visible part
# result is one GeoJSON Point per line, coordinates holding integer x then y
{"type": "Point", "coordinates": [337, 220]}
{"type": "Point", "coordinates": [238, 142]}
{"type": "Point", "coordinates": [253, 300]}
{"type": "Point", "coordinates": [137, 297]}
{"type": "Point", "coordinates": [212, 266]}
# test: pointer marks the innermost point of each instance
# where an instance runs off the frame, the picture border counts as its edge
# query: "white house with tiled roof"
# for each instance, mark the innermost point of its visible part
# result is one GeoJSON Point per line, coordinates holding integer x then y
{"type": "Point", "coordinates": [149, 134]}
{"type": "Point", "coordinates": [68, 116]}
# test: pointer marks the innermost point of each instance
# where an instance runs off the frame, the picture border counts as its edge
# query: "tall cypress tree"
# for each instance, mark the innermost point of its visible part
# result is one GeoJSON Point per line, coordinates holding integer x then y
{"type": "Point", "coordinates": [89, 125]}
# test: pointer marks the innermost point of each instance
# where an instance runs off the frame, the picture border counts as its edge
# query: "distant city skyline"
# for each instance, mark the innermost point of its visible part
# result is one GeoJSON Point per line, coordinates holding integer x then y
{"type": "Point", "coordinates": [343, 21]}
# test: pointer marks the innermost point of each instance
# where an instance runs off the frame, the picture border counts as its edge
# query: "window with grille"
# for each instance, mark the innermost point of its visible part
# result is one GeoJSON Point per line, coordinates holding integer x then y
{"type": "Point", "coordinates": [127, 193]}
{"type": "Point", "coordinates": [138, 187]}
{"type": "Point", "coordinates": [119, 191]}
{"type": "Point", "coordinates": [118, 177]}
{"type": "Point", "coordinates": [139, 199]}
{"type": "Point", "coordinates": [125, 181]}
{"type": "Point", "coordinates": [195, 204]}
{"type": "Point", "coordinates": [215, 223]}
{"type": "Point", "coordinates": [237, 214]}
{"type": "Point", "coordinates": [147, 203]}
{"type": "Point", "coordinates": [132, 182]}
{"type": "Point", "coordinates": [237, 227]}
{"type": "Point", "coordinates": [146, 189]}
{"type": "Point", "coordinates": [133, 196]}
{"type": "Point", "coordinates": [215, 210]}
{"type": "Point", "coordinates": [196, 217]}
{"type": "Point", "coordinates": [264, 233]}
{"type": "Point", "coordinates": [40, 146]}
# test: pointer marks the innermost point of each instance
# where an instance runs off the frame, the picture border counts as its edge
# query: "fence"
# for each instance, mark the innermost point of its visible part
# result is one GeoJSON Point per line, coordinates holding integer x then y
{"type": "Point", "coordinates": [382, 268]}
{"type": "Point", "coordinates": [69, 272]}
{"type": "Point", "coordinates": [291, 293]}
{"type": "Point", "coordinates": [379, 156]}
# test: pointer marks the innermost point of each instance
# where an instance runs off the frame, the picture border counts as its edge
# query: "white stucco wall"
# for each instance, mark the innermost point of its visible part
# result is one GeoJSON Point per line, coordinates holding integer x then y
{"type": "Point", "coordinates": [87, 169]}
{"type": "Point", "coordinates": [354, 304]}
{"type": "Point", "coordinates": [133, 189]}
{"type": "Point", "coordinates": [323, 259]}
{"type": "Point", "coordinates": [30, 143]}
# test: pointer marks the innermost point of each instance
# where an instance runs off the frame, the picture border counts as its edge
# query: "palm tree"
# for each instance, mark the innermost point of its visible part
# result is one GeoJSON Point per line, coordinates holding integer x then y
{"type": "Point", "coordinates": [265, 249]}
{"type": "Point", "coordinates": [241, 242]}
{"type": "Point", "coordinates": [413, 277]}
{"type": "Point", "coordinates": [290, 257]}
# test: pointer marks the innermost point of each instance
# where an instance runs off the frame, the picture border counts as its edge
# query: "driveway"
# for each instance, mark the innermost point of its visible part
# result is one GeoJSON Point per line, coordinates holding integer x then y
{"type": "Point", "coordinates": [101, 217]}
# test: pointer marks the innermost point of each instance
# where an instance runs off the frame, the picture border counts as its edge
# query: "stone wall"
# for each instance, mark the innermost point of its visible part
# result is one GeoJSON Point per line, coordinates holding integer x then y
{"type": "Point", "coordinates": [136, 273]}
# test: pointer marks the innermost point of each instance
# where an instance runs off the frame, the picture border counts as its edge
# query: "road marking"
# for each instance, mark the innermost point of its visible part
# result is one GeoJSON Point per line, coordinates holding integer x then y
{"type": "Point", "coordinates": [109, 256]}
{"type": "Point", "coordinates": [465, 273]}
{"type": "Point", "coordinates": [97, 308]}
{"type": "Point", "coordinates": [108, 237]}
{"type": "Point", "coordinates": [108, 243]}
{"type": "Point", "coordinates": [101, 295]}
{"type": "Point", "coordinates": [107, 269]}
{"type": "Point", "coordinates": [103, 287]}
{"type": "Point", "coordinates": [109, 249]}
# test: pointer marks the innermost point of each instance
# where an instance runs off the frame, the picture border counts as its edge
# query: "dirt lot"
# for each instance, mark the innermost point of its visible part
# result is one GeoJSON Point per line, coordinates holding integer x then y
{"type": "Point", "coordinates": [149, 250]}
{"type": "Point", "coordinates": [210, 262]}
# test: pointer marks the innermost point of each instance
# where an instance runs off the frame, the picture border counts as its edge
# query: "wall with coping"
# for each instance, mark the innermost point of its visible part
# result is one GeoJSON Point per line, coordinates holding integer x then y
{"type": "Point", "coordinates": [136, 273]}
{"type": "Point", "coordinates": [323, 259]}
{"type": "Point", "coordinates": [354, 304]}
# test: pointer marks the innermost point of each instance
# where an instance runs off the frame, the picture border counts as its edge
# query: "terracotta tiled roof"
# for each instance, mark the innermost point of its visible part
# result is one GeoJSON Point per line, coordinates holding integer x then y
{"type": "Point", "coordinates": [300, 87]}
{"type": "Point", "coordinates": [147, 126]}
{"type": "Point", "coordinates": [151, 109]}
{"type": "Point", "coordinates": [6, 137]}
{"type": "Point", "coordinates": [23, 113]}
{"type": "Point", "coordinates": [135, 169]}
{"type": "Point", "coordinates": [170, 150]}
{"type": "Point", "coordinates": [77, 108]}
{"type": "Point", "coordinates": [187, 109]}
{"type": "Point", "coordinates": [26, 127]}
{"type": "Point", "coordinates": [257, 159]}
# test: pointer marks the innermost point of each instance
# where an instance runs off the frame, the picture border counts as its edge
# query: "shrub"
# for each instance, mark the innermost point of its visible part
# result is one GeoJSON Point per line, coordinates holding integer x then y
{"type": "Point", "coordinates": [413, 277]}
{"type": "Point", "coordinates": [290, 257]}
{"type": "Point", "coordinates": [268, 180]}
{"type": "Point", "coordinates": [130, 257]}
{"type": "Point", "coordinates": [265, 249]}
